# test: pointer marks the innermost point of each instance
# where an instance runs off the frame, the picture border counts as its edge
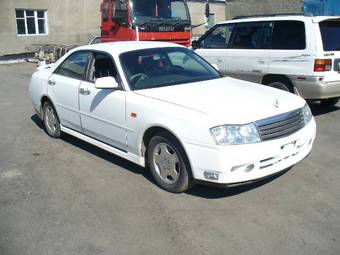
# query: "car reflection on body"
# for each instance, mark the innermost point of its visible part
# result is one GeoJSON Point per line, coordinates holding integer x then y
{"type": "Point", "coordinates": [162, 106]}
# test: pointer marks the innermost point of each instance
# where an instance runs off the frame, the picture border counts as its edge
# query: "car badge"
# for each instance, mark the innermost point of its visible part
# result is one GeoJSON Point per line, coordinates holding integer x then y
{"type": "Point", "coordinates": [276, 103]}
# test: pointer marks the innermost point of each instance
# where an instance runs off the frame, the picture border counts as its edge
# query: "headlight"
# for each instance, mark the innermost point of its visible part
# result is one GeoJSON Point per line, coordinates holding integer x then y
{"type": "Point", "coordinates": [235, 134]}
{"type": "Point", "coordinates": [307, 114]}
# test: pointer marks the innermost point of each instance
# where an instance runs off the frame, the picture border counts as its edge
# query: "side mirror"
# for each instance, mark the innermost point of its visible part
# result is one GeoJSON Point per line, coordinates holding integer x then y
{"type": "Point", "coordinates": [216, 67]}
{"type": "Point", "coordinates": [106, 83]}
{"type": "Point", "coordinates": [195, 44]}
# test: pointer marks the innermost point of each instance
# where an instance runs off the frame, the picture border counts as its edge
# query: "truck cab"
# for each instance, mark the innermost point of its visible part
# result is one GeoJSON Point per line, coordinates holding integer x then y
{"type": "Point", "coordinates": [146, 20]}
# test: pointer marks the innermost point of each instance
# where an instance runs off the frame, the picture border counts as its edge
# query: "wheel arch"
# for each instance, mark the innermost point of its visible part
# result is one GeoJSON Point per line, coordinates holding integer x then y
{"type": "Point", "coordinates": [151, 132]}
{"type": "Point", "coordinates": [269, 78]}
{"type": "Point", "coordinates": [46, 98]}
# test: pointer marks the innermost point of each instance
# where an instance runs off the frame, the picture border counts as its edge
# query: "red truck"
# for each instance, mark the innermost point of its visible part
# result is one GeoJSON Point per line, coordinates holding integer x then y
{"type": "Point", "coordinates": [146, 20]}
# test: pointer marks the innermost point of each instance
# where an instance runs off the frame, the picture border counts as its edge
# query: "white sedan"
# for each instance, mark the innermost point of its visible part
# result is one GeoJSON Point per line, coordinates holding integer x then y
{"type": "Point", "coordinates": [162, 106]}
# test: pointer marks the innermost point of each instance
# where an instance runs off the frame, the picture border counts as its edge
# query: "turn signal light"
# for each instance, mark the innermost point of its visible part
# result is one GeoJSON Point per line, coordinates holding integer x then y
{"type": "Point", "coordinates": [211, 175]}
{"type": "Point", "coordinates": [322, 65]}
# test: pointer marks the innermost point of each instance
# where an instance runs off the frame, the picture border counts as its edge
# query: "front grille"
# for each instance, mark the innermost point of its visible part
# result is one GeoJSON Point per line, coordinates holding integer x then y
{"type": "Point", "coordinates": [163, 27]}
{"type": "Point", "coordinates": [281, 125]}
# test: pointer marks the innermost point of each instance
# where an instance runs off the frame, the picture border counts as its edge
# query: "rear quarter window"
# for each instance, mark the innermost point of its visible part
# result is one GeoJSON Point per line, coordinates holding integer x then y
{"type": "Point", "coordinates": [289, 35]}
{"type": "Point", "coordinates": [330, 34]}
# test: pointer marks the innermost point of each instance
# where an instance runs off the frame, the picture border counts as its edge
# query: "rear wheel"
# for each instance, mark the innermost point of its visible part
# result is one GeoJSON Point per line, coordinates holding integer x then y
{"type": "Point", "coordinates": [282, 86]}
{"type": "Point", "coordinates": [329, 101]}
{"type": "Point", "coordinates": [168, 163]}
{"type": "Point", "coordinates": [51, 120]}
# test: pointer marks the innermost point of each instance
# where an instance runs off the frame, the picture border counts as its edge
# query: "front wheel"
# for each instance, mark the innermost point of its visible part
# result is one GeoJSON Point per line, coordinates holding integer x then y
{"type": "Point", "coordinates": [168, 163]}
{"type": "Point", "coordinates": [51, 120]}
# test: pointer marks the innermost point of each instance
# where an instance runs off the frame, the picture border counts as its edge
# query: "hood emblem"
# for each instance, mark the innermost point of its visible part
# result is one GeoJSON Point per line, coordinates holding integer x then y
{"type": "Point", "coordinates": [276, 103]}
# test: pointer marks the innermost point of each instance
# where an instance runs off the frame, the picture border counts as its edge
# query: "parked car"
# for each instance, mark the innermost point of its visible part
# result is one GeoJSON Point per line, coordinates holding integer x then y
{"type": "Point", "coordinates": [296, 53]}
{"type": "Point", "coordinates": [162, 106]}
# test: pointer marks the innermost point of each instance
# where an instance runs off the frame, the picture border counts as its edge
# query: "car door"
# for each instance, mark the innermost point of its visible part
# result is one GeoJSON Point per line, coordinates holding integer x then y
{"type": "Point", "coordinates": [214, 45]}
{"type": "Point", "coordinates": [103, 110]}
{"type": "Point", "coordinates": [249, 53]}
{"type": "Point", "coordinates": [63, 87]}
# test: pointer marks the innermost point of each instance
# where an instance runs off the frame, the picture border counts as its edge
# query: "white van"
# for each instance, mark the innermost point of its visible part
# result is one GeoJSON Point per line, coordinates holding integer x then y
{"type": "Point", "coordinates": [297, 53]}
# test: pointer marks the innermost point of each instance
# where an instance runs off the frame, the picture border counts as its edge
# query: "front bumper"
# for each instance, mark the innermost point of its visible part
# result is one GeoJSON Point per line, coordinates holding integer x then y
{"type": "Point", "coordinates": [242, 163]}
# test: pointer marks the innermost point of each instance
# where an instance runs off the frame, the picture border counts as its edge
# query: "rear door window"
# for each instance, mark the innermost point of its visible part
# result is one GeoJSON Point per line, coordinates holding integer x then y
{"type": "Point", "coordinates": [330, 33]}
{"type": "Point", "coordinates": [254, 35]}
{"type": "Point", "coordinates": [289, 35]}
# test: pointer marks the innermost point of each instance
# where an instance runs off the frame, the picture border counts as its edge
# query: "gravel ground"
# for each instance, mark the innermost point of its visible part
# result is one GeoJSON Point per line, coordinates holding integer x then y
{"type": "Point", "coordinates": [67, 197]}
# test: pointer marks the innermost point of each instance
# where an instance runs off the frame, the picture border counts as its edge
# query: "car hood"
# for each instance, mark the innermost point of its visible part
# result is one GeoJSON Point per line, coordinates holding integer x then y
{"type": "Point", "coordinates": [227, 100]}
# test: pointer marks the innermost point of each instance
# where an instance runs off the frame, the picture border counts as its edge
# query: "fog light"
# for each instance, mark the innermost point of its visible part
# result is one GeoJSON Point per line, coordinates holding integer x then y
{"type": "Point", "coordinates": [210, 175]}
{"type": "Point", "coordinates": [250, 167]}
{"type": "Point", "coordinates": [245, 168]}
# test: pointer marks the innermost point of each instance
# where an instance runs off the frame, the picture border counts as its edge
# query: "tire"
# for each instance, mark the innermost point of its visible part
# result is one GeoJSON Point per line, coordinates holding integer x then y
{"type": "Point", "coordinates": [329, 102]}
{"type": "Point", "coordinates": [168, 163]}
{"type": "Point", "coordinates": [281, 85]}
{"type": "Point", "coordinates": [51, 120]}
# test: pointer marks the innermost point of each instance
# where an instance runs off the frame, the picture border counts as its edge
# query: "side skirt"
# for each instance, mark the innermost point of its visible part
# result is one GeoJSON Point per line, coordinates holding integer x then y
{"type": "Point", "coordinates": [126, 155]}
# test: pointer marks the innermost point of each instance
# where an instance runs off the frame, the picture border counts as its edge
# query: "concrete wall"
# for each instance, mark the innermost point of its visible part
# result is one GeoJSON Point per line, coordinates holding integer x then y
{"type": "Point", "coordinates": [69, 22]}
{"type": "Point", "coordinates": [253, 7]}
{"type": "Point", "coordinates": [197, 9]}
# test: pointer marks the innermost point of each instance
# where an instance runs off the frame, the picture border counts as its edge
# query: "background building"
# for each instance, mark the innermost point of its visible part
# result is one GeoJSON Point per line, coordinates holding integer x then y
{"type": "Point", "coordinates": [27, 22]}
{"type": "Point", "coordinates": [253, 7]}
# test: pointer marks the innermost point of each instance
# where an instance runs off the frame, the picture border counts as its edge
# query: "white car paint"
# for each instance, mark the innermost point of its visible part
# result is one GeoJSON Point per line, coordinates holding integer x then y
{"type": "Point", "coordinates": [188, 111]}
{"type": "Point", "coordinates": [296, 65]}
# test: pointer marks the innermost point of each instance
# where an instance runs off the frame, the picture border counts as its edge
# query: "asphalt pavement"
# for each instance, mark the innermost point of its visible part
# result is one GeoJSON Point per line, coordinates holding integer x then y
{"type": "Point", "coordinates": [64, 196]}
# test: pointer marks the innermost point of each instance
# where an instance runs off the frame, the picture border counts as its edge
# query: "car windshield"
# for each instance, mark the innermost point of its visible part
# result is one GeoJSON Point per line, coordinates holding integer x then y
{"type": "Point", "coordinates": [156, 10]}
{"type": "Point", "coordinates": [330, 33]}
{"type": "Point", "coordinates": [158, 67]}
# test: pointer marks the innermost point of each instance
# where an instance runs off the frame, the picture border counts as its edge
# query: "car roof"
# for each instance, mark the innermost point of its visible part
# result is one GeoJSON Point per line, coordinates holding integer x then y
{"type": "Point", "coordinates": [279, 17]}
{"type": "Point", "coordinates": [116, 48]}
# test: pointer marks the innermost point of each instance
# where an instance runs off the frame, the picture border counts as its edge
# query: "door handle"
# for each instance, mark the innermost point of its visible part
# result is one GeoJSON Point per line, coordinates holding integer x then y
{"type": "Point", "coordinates": [51, 82]}
{"type": "Point", "coordinates": [84, 91]}
{"type": "Point", "coordinates": [219, 60]}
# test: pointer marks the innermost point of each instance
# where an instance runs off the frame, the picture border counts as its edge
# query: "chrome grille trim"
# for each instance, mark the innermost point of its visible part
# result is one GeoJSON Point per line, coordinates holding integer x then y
{"type": "Point", "coordinates": [281, 125]}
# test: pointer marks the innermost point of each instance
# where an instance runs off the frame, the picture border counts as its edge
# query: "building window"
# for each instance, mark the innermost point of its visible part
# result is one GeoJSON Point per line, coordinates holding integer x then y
{"type": "Point", "coordinates": [31, 22]}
